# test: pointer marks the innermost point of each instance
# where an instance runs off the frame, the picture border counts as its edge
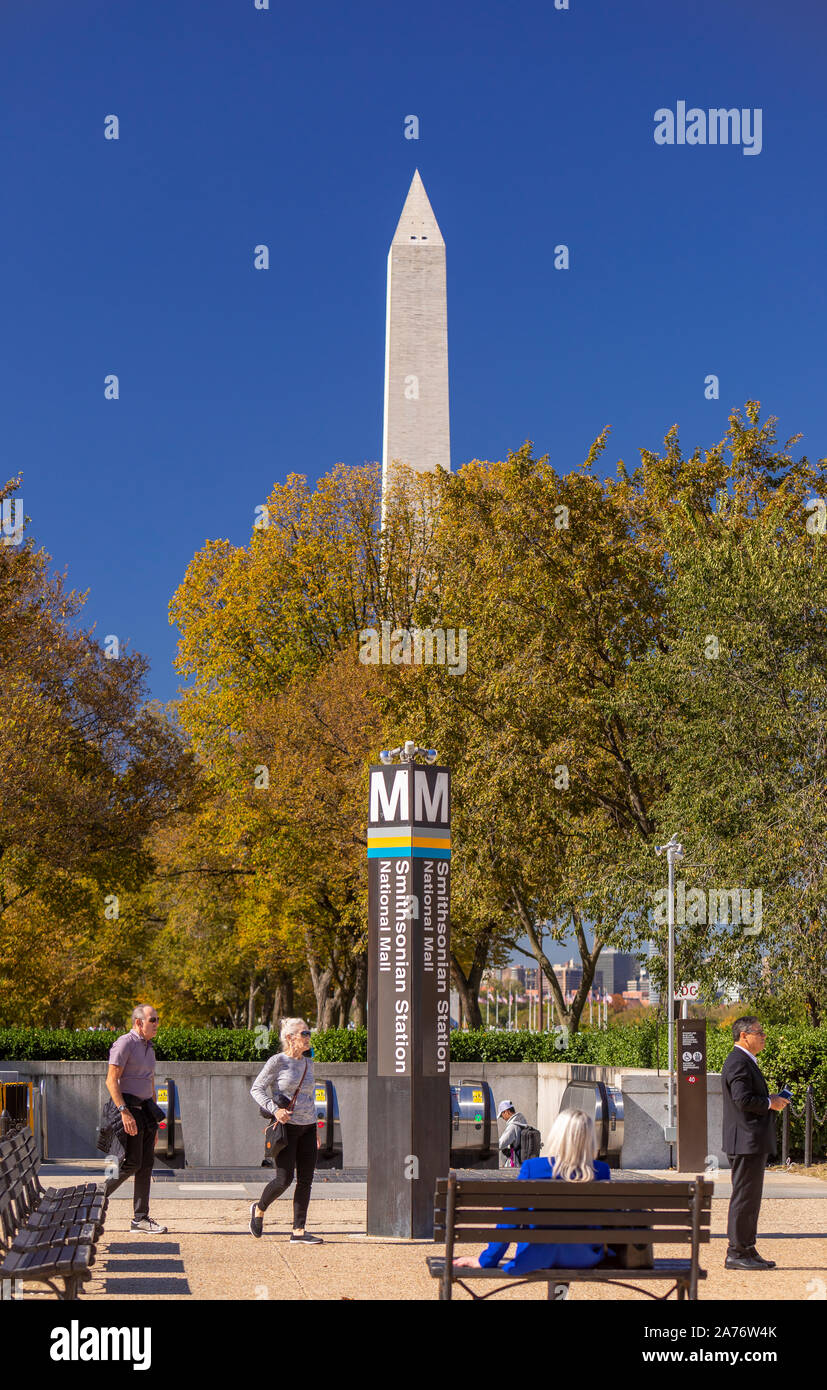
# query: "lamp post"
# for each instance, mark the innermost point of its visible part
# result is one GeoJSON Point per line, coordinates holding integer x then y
{"type": "Point", "coordinates": [674, 852]}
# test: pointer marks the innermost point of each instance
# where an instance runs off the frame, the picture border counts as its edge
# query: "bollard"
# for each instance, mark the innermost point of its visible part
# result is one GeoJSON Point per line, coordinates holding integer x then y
{"type": "Point", "coordinates": [809, 1106]}
{"type": "Point", "coordinates": [5, 1124]}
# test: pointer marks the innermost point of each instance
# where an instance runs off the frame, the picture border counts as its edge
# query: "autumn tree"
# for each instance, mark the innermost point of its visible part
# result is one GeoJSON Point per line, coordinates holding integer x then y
{"type": "Point", "coordinates": [279, 706]}
{"type": "Point", "coordinates": [543, 573]}
{"type": "Point", "coordinates": [89, 768]}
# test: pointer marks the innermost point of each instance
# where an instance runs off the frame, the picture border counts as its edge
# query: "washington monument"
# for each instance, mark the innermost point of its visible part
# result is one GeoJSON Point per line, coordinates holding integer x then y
{"type": "Point", "coordinates": [417, 428]}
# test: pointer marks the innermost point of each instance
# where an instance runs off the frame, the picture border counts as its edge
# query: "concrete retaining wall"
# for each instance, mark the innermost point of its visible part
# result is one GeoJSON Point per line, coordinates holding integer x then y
{"type": "Point", "coordinates": [222, 1126]}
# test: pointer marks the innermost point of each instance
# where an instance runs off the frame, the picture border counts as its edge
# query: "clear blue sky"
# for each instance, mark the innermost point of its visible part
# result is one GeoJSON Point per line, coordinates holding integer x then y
{"type": "Point", "coordinates": [285, 127]}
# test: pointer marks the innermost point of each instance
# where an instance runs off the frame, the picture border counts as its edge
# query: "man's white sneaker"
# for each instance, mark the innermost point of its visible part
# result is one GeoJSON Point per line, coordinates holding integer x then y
{"type": "Point", "coordinates": [148, 1227]}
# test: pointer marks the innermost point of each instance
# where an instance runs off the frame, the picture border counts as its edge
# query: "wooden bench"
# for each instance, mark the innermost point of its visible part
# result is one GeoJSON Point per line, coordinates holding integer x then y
{"type": "Point", "coordinates": [468, 1212]}
{"type": "Point", "coordinates": [45, 1233]}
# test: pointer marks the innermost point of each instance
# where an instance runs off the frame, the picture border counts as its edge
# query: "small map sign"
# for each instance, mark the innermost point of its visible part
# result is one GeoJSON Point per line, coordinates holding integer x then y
{"type": "Point", "coordinates": [692, 1097]}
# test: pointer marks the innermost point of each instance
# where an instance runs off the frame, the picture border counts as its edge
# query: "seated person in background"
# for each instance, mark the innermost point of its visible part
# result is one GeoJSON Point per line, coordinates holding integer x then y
{"type": "Point", "coordinates": [572, 1146]}
{"type": "Point", "coordinates": [515, 1123]}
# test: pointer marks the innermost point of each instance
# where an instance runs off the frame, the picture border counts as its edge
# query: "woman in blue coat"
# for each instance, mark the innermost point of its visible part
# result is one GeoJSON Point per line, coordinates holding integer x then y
{"type": "Point", "coordinates": [572, 1147]}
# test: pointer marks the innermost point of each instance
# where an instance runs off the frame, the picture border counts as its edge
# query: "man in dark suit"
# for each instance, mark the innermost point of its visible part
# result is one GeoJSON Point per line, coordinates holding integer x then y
{"type": "Point", "coordinates": [748, 1139]}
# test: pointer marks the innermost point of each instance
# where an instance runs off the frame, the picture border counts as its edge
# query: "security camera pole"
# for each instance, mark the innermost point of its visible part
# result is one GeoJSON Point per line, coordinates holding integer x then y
{"type": "Point", "coordinates": [674, 852]}
{"type": "Point", "coordinates": [409, 1023]}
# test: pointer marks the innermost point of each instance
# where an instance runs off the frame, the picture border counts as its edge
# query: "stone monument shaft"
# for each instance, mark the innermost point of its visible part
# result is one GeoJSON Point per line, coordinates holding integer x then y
{"type": "Point", "coordinates": [417, 430]}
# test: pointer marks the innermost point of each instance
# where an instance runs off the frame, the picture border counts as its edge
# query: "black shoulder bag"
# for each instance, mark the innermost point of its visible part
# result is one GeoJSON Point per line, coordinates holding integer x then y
{"type": "Point", "coordinates": [275, 1138]}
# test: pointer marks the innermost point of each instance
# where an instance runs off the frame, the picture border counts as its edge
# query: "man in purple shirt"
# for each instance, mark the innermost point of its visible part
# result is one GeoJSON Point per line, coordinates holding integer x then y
{"type": "Point", "coordinates": [130, 1082]}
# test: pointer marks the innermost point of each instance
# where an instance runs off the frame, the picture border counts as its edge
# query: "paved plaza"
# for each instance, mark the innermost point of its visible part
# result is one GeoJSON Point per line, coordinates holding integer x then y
{"type": "Point", "coordinates": [210, 1254]}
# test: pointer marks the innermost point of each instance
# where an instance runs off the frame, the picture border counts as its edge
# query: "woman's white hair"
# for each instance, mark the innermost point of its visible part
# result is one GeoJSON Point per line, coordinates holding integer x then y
{"type": "Point", "coordinates": [572, 1144]}
{"type": "Point", "coordinates": [288, 1026]}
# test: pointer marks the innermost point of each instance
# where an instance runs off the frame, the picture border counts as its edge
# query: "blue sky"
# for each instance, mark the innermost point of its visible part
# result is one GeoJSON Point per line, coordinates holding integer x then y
{"type": "Point", "coordinates": [286, 127]}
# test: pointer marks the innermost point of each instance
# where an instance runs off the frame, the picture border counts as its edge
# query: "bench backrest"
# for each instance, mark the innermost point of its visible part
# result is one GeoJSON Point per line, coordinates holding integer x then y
{"type": "Point", "coordinates": [11, 1192]}
{"type": "Point", "coordinates": [20, 1190]}
{"type": "Point", "coordinates": [570, 1213]}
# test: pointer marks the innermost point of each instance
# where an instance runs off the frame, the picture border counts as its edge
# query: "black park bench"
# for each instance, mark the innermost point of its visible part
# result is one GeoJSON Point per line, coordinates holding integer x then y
{"type": "Point", "coordinates": [468, 1212]}
{"type": "Point", "coordinates": [45, 1233]}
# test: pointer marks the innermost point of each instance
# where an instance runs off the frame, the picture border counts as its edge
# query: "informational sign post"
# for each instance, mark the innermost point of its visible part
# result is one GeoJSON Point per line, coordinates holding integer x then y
{"type": "Point", "coordinates": [692, 1132]}
{"type": "Point", "coordinates": [409, 984]}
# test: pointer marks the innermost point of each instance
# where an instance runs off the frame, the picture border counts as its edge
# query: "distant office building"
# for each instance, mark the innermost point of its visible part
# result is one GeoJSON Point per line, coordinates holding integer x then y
{"type": "Point", "coordinates": [569, 976]}
{"type": "Point", "coordinates": [515, 974]}
{"type": "Point", "coordinates": [615, 970]}
{"type": "Point", "coordinates": [643, 985]}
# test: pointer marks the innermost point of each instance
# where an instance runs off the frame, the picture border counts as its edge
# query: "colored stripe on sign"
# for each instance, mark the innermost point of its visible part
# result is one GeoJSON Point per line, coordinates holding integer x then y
{"type": "Point", "coordinates": [407, 851]}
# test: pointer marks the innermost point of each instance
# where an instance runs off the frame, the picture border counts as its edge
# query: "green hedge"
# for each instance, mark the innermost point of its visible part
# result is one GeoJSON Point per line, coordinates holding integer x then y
{"type": "Point", "coordinates": [341, 1045]}
{"type": "Point", "coordinates": [795, 1054]}
{"type": "Point", "coordinates": [175, 1045]}
{"type": "Point", "coordinates": [171, 1045]}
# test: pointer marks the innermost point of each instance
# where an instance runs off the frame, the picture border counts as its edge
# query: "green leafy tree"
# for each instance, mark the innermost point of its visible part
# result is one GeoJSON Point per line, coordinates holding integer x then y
{"type": "Point", "coordinates": [736, 694]}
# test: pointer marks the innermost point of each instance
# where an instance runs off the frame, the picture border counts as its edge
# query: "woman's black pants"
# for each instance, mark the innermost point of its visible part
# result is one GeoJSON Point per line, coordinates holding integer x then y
{"type": "Point", "coordinates": [298, 1155]}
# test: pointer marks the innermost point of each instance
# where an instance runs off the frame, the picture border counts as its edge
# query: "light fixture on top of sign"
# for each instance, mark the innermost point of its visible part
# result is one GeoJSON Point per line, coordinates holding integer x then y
{"type": "Point", "coordinates": [408, 752]}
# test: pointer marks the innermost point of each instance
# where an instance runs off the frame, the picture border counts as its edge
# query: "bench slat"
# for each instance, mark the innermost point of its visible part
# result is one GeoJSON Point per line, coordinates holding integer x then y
{"type": "Point", "coordinates": [572, 1216]}
{"type": "Point", "coordinates": [30, 1239]}
{"type": "Point", "coordinates": [663, 1269]}
{"type": "Point", "coordinates": [566, 1194]}
{"type": "Point", "coordinates": [494, 1188]}
{"type": "Point", "coordinates": [585, 1236]}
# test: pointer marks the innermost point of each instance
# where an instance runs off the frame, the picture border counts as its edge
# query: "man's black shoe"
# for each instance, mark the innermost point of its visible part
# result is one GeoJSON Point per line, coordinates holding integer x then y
{"type": "Point", "coordinates": [743, 1262]}
{"type": "Point", "coordinates": [768, 1264]}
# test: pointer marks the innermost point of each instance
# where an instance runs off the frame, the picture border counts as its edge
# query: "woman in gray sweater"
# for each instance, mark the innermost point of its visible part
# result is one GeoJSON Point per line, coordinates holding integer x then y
{"type": "Point", "coordinates": [283, 1079]}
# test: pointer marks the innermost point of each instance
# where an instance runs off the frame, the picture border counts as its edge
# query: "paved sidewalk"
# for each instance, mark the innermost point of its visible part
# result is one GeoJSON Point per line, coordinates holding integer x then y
{"type": "Point", "coordinates": [777, 1182]}
{"type": "Point", "coordinates": [188, 1184]}
{"type": "Point", "coordinates": [210, 1254]}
